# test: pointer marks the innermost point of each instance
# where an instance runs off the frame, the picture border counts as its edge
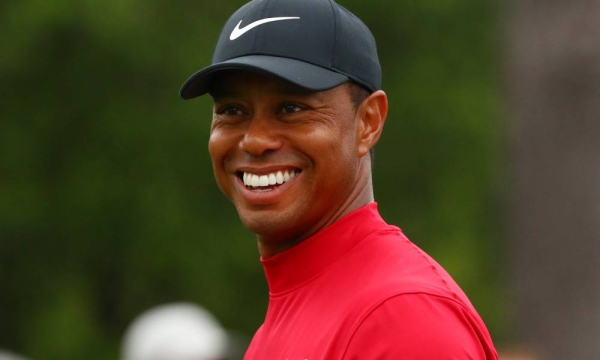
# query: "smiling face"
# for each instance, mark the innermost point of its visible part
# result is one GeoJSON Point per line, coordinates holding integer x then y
{"type": "Point", "coordinates": [291, 162]}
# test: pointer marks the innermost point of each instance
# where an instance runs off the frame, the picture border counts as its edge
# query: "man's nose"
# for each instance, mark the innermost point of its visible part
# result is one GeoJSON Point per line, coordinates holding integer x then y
{"type": "Point", "coordinates": [260, 137]}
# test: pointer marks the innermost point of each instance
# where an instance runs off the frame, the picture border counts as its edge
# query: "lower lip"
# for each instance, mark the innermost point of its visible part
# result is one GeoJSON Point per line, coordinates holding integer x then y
{"type": "Point", "coordinates": [263, 197]}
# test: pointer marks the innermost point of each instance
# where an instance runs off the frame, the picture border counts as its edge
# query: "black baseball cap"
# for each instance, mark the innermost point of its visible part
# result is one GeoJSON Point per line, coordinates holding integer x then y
{"type": "Point", "coordinates": [314, 44]}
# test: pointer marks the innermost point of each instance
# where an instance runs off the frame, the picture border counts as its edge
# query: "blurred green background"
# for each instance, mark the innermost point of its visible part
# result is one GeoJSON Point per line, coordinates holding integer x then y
{"type": "Point", "coordinates": [108, 204]}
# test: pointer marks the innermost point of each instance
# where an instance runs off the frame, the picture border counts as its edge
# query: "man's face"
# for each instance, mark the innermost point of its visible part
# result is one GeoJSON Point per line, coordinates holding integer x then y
{"type": "Point", "coordinates": [287, 159]}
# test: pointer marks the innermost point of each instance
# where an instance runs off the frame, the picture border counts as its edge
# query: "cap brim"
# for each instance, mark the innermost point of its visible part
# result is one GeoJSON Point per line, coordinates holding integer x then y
{"type": "Point", "coordinates": [299, 73]}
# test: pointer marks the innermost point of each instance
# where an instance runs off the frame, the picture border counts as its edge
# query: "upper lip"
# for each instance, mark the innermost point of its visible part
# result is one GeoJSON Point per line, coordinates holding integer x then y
{"type": "Point", "coordinates": [265, 170]}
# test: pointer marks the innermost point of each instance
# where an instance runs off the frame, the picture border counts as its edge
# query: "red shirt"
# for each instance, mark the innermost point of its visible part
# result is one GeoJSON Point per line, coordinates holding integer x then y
{"type": "Point", "coordinates": [360, 290]}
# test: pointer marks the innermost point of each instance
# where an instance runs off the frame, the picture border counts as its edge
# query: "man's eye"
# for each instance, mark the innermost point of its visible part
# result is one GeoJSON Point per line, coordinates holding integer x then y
{"type": "Point", "coordinates": [230, 110]}
{"type": "Point", "coordinates": [290, 108]}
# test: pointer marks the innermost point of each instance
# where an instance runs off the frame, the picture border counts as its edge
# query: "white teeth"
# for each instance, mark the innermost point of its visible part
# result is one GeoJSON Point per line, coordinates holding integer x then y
{"type": "Point", "coordinates": [264, 180]}
{"type": "Point", "coordinates": [273, 178]}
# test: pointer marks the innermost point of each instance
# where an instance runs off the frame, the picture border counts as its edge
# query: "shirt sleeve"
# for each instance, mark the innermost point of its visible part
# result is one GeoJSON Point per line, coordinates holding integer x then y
{"type": "Point", "coordinates": [420, 327]}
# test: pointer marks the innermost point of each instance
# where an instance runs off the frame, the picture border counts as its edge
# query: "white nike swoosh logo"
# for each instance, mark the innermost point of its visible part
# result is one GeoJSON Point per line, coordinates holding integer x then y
{"type": "Point", "coordinates": [237, 31]}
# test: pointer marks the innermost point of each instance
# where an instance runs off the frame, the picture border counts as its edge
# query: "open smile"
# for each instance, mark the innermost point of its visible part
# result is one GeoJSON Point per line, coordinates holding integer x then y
{"type": "Point", "coordinates": [269, 181]}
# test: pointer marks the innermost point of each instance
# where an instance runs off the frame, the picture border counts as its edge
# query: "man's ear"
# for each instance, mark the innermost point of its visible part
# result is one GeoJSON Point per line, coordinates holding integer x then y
{"type": "Point", "coordinates": [371, 116]}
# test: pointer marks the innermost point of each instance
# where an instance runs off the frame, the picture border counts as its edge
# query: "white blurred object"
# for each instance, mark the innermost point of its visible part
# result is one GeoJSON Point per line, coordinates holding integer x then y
{"type": "Point", "coordinates": [179, 331]}
{"type": "Point", "coordinates": [10, 356]}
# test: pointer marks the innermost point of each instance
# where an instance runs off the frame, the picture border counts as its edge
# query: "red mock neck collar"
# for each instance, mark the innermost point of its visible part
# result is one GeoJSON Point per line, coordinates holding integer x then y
{"type": "Point", "coordinates": [303, 262]}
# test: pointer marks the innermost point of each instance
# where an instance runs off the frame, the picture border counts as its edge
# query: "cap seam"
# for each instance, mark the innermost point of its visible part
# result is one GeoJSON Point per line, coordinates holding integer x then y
{"type": "Point", "coordinates": [333, 65]}
{"type": "Point", "coordinates": [212, 58]}
{"type": "Point", "coordinates": [335, 34]}
{"type": "Point", "coordinates": [259, 34]}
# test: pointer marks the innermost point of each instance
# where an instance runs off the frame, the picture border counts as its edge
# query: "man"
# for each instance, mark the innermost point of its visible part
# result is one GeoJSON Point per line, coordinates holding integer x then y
{"type": "Point", "coordinates": [298, 107]}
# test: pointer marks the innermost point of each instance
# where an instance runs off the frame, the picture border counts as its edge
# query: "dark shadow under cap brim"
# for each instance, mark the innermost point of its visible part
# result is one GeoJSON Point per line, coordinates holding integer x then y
{"type": "Point", "coordinates": [299, 73]}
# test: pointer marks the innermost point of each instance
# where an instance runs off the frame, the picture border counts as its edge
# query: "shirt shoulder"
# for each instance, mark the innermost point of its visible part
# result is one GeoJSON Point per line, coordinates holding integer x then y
{"type": "Point", "coordinates": [414, 326]}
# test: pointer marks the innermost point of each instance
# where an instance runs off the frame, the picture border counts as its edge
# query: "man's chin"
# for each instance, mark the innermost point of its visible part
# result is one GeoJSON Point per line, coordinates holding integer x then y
{"type": "Point", "coordinates": [271, 226]}
{"type": "Point", "coordinates": [263, 226]}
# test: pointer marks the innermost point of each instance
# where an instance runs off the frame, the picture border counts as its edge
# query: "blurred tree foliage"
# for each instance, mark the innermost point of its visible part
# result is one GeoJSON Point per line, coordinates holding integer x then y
{"type": "Point", "coordinates": [108, 203]}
